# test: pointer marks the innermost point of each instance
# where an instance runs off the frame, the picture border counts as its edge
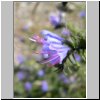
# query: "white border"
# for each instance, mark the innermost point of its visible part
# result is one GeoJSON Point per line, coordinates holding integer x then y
{"type": "Point", "coordinates": [86, 50]}
{"type": "Point", "coordinates": [0, 50]}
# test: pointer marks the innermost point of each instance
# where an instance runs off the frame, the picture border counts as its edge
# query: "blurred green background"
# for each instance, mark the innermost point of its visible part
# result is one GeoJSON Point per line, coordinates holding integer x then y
{"type": "Point", "coordinates": [33, 80]}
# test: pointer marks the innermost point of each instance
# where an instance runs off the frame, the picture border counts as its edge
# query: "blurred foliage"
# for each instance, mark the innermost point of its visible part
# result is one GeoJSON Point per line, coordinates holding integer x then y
{"type": "Point", "coordinates": [29, 75]}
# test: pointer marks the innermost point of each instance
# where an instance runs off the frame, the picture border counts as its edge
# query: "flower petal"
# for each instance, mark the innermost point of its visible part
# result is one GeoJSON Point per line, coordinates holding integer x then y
{"type": "Point", "coordinates": [55, 61]}
{"type": "Point", "coordinates": [50, 35]}
{"type": "Point", "coordinates": [49, 60]}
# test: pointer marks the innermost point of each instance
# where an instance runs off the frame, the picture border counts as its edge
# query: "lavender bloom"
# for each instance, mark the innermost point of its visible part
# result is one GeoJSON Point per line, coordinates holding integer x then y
{"type": "Point", "coordinates": [28, 86]}
{"type": "Point", "coordinates": [66, 32]}
{"type": "Point", "coordinates": [51, 37]}
{"type": "Point", "coordinates": [56, 20]}
{"type": "Point", "coordinates": [44, 86]}
{"type": "Point", "coordinates": [77, 57]}
{"type": "Point", "coordinates": [82, 14]}
{"type": "Point", "coordinates": [66, 80]}
{"type": "Point", "coordinates": [20, 58]}
{"type": "Point", "coordinates": [63, 78]}
{"type": "Point", "coordinates": [20, 75]}
{"type": "Point", "coordinates": [53, 51]}
{"type": "Point", "coordinates": [41, 73]}
{"type": "Point", "coordinates": [53, 58]}
{"type": "Point", "coordinates": [55, 47]}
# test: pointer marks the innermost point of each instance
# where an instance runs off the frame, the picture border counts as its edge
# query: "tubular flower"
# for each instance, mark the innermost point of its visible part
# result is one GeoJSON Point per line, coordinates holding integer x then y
{"type": "Point", "coordinates": [20, 75]}
{"type": "Point", "coordinates": [28, 86]}
{"type": "Point", "coordinates": [44, 86]}
{"type": "Point", "coordinates": [41, 73]}
{"type": "Point", "coordinates": [53, 50]}
{"type": "Point", "coordinates": [82, 14]}
{"type": "Point", "coordinates": [56, 19]}
{"type": "Point", "coordinates": [66, 32]}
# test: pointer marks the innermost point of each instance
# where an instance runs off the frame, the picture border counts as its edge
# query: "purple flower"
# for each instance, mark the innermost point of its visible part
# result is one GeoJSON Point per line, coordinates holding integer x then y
{"type": "Point", "coordinates": [20, 58]}
{"type": "Point", "coordinates": [20, 75]}
{"type": "Point", "coordinates": [66, 32]}
{"type": "Point", "coordinates": [66, 80]}
{"type": "Point", "coordinates": [55, 19]}
{"type": "Point", "coordinates": [53, 51]}
{"type": "Point", "coordinates": [51, 37]}
{"type": "Point", "coordinates": [82, 14]}
{"type": "Point", "coordinates": [44, 86]}
{"type": "Point", "coordinates": [28, 86]}
{"type": "Point", "coordinates": [63, 78]}
{"type": "Point", "coordinates": [77, 57]}
{"type": "Point", "coordinates": [41, 73]}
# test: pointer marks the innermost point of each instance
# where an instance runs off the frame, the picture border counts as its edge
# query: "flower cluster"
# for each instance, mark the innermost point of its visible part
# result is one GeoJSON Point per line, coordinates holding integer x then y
{"type": "Point", "coordinates": [53, 50]}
